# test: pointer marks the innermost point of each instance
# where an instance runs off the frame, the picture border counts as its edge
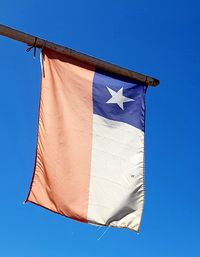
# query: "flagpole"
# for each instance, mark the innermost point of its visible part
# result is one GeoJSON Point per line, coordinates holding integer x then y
{"type": "Point", "coordinates": [100, 64]}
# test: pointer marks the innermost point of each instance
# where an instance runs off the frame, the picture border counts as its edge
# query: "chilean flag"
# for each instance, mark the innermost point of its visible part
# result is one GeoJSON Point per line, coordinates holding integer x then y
{"type": "Point", "coordinates": [90, 149]}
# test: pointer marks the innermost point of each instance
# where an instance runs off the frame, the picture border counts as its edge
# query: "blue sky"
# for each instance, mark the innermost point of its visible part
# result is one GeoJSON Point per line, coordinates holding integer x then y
{"type": "Point", "coordinates": [159, 38]}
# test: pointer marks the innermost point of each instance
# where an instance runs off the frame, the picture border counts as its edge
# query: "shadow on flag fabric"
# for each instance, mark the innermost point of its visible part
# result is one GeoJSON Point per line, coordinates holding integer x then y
{"type": "Point", "coordinates": [90, 148]}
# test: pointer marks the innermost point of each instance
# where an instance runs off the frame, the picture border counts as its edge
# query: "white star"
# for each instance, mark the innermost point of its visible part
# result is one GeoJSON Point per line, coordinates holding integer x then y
{"type": "Point", "coordinates": [118, 98]}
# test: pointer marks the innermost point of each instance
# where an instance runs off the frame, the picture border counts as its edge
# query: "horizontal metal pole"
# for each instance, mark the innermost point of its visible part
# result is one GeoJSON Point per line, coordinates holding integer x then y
{"type": "Point", "coordinates": [105, 66]}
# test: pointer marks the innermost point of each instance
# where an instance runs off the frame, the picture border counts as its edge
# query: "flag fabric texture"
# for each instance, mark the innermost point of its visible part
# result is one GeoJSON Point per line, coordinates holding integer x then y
{"type": "Point", "coordinates": [90, 149]}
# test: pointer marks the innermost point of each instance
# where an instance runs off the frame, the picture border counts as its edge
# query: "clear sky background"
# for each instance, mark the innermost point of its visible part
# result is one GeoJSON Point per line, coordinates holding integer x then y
{"type": "Point", "coordinates": [159, 38]}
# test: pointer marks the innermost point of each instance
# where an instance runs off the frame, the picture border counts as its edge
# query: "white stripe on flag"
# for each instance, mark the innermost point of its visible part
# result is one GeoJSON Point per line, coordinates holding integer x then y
{"type": "Point", "coordinates": [116, 181]}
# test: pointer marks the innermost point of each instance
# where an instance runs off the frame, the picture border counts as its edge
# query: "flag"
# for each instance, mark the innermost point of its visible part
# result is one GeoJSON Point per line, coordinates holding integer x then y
{"type": "Point", "coordinates": [90, 148]}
